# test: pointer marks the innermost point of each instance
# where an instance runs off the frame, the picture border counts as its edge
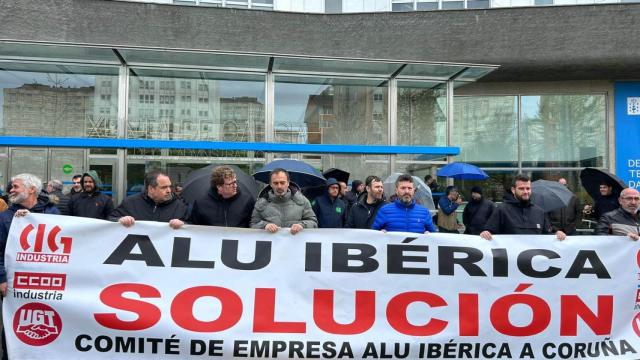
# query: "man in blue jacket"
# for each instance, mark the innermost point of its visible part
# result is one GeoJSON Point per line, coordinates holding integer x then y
{"type": "Point", "coordinates": [330, 210]}
{"type": "Point", "coordinates": [404, 214]}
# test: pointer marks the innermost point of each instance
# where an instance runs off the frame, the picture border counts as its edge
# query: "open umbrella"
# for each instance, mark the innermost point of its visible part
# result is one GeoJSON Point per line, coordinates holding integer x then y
{"type": "Point", "coordinates": [300, 172]}
{"type": "Point", "coordinates": [591, 179]}
{"type": "Point", "coordinates": [422, 195]}
{"type": "Point", "coordinates": [337, 174]}
{"type": "Point", "coordinates": [550, 195]}
{"type": "Point", "coordinates": [462, 171]}
{"type": "Point", "coordinates": [199, 181]}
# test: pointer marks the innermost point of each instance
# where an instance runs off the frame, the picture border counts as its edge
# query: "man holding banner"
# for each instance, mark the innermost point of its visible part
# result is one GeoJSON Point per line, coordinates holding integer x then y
{"type": "Point", "coordinates": [517, 215]}
{"type": "Point", "coordinates": [281, 204]}
{"type": "Point", "coordinates": [156, 203]}
{"type": "Point", "coordinates": [404, 214]}
{"type": "Point", "coordinates": [623, 220]}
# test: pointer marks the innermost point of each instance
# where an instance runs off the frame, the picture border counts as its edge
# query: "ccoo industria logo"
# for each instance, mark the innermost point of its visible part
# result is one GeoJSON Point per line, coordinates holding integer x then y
{"type": "Point", "coordinates": [36, 249]}
{"type": "Point", "coordinates": [36, 324]}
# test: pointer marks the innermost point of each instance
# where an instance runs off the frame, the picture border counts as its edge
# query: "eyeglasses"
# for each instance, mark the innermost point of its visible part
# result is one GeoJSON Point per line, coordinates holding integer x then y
{"type": "Point", "coordinates": [234, 183]}
{"type": "Point", "coordinates": [627, 198]}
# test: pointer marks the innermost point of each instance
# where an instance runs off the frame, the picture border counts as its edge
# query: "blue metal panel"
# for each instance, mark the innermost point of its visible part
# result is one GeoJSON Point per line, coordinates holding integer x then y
{"type": "Point", "coordinates": [627, 114]}
{"type": "Point", "coordinates": [218, 145]}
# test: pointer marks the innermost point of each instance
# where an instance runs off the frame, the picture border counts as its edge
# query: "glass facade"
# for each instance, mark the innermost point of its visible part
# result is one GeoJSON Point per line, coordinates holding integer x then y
{"type": "Point", "coordinates": [292, 101]}
{"type": "Point", "coordinates": [330, 111]}
{"type": "Point", "coordinates": [58, 100]}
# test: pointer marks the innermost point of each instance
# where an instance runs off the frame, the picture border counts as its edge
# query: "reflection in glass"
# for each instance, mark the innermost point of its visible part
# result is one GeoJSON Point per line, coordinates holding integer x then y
{"type": "Point", "coordinates": [486, 130]}
{"type": "Point", "coordinates": [176, 108]}
{"type": "Point", "coordinates": [422, 115]}
{"type": "Point", "coordinates": [330, 112]}
{"type": "Point", "coordinates": [564, 130]}
{"type": "Point", "coordinates": [62, 101]}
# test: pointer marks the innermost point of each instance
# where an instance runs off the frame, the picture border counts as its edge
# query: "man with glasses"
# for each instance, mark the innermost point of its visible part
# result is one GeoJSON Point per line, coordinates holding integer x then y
{"type": "Point", "coordinates": [623, 220]}
{"type": "Point", "coordinates": [224, 204]}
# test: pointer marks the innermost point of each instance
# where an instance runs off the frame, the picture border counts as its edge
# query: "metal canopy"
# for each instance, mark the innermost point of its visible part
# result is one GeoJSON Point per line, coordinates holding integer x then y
{"type": "Point", "coordinates": [203, 60]}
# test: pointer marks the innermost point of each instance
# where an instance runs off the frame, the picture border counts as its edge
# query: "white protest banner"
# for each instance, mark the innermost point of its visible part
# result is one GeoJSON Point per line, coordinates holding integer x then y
{"type": "Point", "coordinates": [89, 289]}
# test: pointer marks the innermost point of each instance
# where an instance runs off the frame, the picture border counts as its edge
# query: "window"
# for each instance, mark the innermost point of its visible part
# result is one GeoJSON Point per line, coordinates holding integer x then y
{"type": "Point", "coordinates": [451, 5]}
{"type": "Point", "coordinates": [478, 4]}
{"type": "Point", "coordinates": [430, 5]}
{"type": "Point", "coordinates": [326, 110]}
{"type": "Point", "coordinates": [402, 6]}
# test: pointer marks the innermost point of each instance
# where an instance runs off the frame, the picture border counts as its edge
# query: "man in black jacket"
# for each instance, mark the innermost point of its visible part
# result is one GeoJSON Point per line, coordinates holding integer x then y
{"type": "Point", "coordinates": [156, 203]}
{"type": "Point", "coordinates": [477, 212]}
{"type": "Point", "coordinates": [91, 202]}
{"type": "Point", "coordinates": [330, 210]}
{"type": "Point", "coordinates": [369, 202]}
{"type": "Point", "coordinates": [224, 204]}
{"type": "Point", "coordinates": [517, 215]}
{"type": "Point", "coordinates": [623, 220]}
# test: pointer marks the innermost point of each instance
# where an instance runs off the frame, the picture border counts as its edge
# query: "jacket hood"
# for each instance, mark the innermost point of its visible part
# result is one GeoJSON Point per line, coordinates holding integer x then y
{"type": "Point", "coordinates": [42, 203]}
{"type": "Point", "coordinates": [362, 199]}
{"type": "Point", "coordinates": [293, 187]}
{"type": "Point", "coordinates": [96, 180]}
{"type": "Point", "coordinates": [510, 198]}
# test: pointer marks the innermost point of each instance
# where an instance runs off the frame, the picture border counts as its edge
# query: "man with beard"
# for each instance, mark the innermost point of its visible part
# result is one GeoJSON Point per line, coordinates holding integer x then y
{"type": "Point", "coordinates": [91, 202]}
{"type": "Point", "coordinates": [623, 220]}
{"type": "Point", "coordinates": [365, 210]}
{"type": "Point", "coordinates": [224, 204]}
{"type": "Point", "coordinates": [25, 196]}
{"type": "Point", "coordinates": [282, 205]}
{"type": "Point", "coordinates": [330, 210]}
{"type": "Point", "coordinates": [517, 215]}
{"type": "Point", "coordinates": [404, 214]}
{"type": "Point", "coordinates": [477, 212]}
{"type": "Point", "coordinates": [156, 203]}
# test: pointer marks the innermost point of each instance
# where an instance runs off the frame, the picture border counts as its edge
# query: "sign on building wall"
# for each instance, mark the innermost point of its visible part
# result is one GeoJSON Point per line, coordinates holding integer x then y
{"type": "Point", "coordinates": [627, 112]}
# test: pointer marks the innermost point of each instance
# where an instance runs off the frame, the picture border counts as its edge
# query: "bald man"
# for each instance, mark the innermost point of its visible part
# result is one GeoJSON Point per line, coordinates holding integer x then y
{"type": "Point", "coordinates": [623, 220]}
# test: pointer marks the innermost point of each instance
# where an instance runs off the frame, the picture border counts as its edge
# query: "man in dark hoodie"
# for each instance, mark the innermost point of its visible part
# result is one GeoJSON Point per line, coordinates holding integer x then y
{"type": "Point", "coordinates": [607, 201]}
{"type": "Point", "coordinates": [25, 196]}
{"type": "Point", "coordinates": [364, 211]}
{"type": "Point", "coordinates": [330, 210]}
{"type": "Point", "coordinates": [156, 203]}
{"type": "Point", "coordinates": [517, 215]}
{"type": "Point", "coordinates": [224, 204]}
{"type": "Point", "coordinates": [477, 212]}
{"type": "Point", "coordinates": [91, 202]}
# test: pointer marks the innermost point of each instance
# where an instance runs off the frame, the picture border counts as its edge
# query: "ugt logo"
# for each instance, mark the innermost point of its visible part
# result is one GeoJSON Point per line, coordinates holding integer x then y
{"type": "Point", "coordinates": [57, 251]}
{"type": "Point", "coordinates": [36, 324]}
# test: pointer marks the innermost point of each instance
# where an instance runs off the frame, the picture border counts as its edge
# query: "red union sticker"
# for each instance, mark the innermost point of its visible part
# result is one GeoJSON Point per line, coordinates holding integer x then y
{"type": "Point", "coordinates": [635, 323]}
{"type": "Point", "coordinates": [44, 247]}
{"type": "Point", "coordinates": [39, 281]}
{"type": "Point", "coordinates": [36, 324]}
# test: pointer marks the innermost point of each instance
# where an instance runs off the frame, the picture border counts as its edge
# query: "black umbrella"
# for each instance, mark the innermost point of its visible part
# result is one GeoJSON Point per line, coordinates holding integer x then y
{"type": "Point", "coordinates": [591, 179]}
{"type": "Point", "coordinates": [337, 174]}
{"type": "Point", "coordinates": [300, 172]}
{"type": "Point", "coordinates": [550, 195]}
{"type": "Point", "coordinates": [198, 183]}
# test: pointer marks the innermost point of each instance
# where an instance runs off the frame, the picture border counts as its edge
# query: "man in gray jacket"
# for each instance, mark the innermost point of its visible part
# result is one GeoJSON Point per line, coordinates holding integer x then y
{"type": "Point", "coordinates": [623, 220]}
{"type": "Point", "coordinates": [281, 204]}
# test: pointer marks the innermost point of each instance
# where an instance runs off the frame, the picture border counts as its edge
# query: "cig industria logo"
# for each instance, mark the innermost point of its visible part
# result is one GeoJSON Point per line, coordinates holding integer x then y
{"type": "Point", "coordinates": [36, 324]}
{"type": "Point", "coordinates": [36, 249]}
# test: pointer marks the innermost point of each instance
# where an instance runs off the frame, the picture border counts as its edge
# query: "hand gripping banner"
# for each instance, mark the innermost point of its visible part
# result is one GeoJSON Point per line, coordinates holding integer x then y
{"type": "Point", "coordinates": [90, 289]}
